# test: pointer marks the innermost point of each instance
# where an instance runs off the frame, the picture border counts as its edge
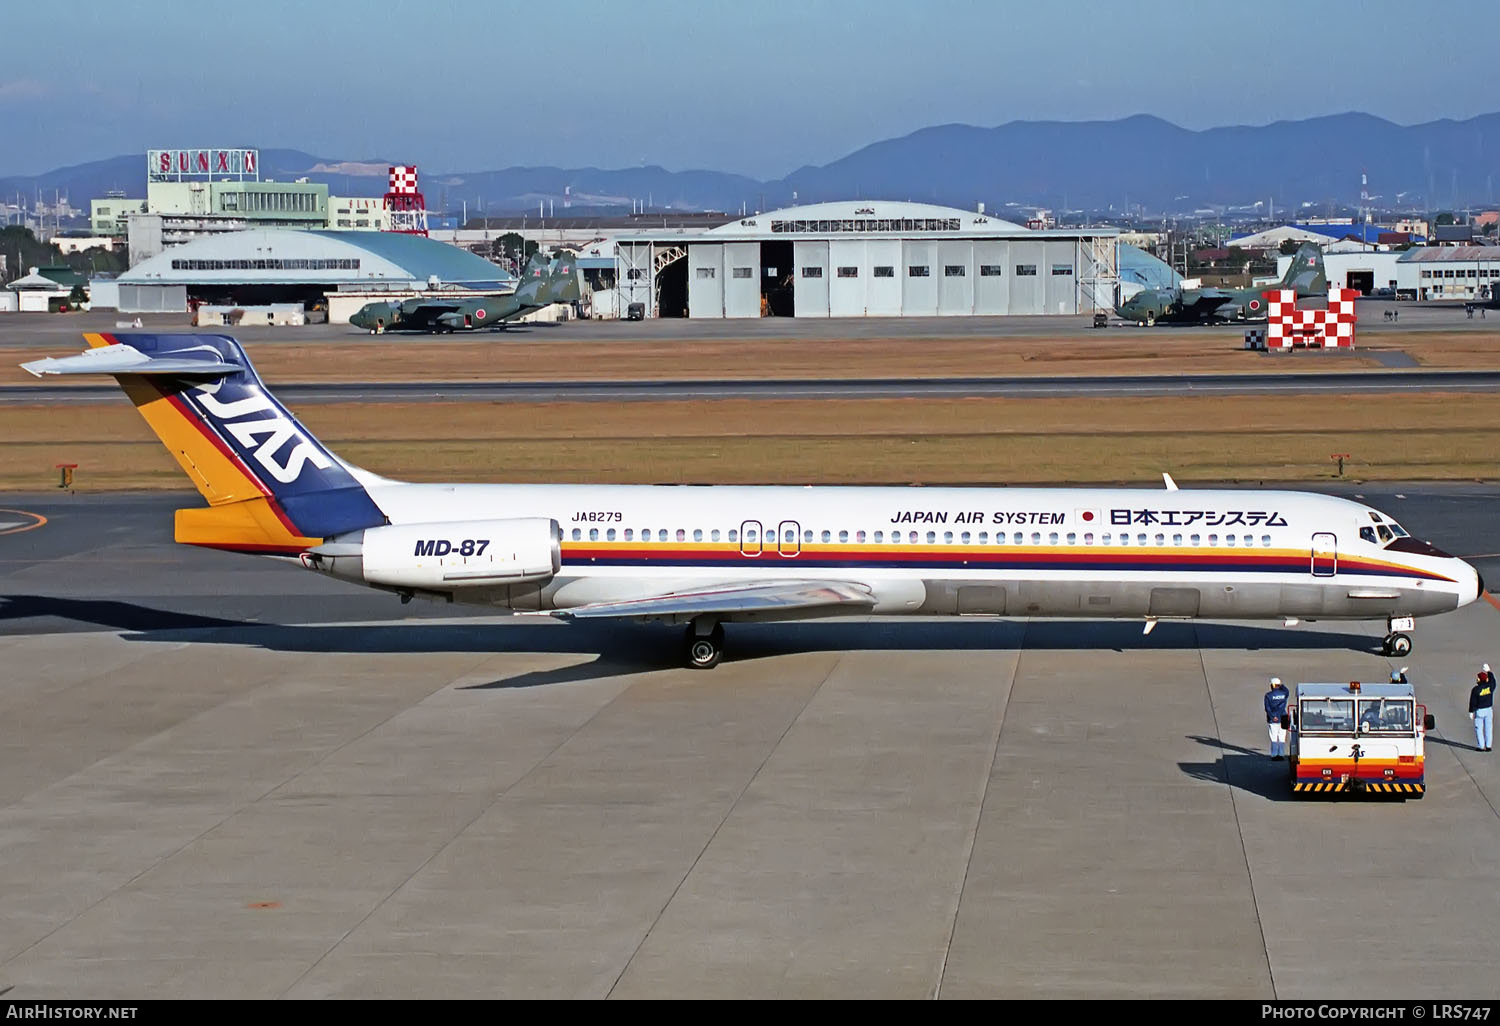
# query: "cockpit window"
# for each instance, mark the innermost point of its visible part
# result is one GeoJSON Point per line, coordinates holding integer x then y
{"type": "Point", "coordinates": [1398, 530]}
{"type": "Point", "coordinates": [1385, 533]}
{"type": "Point", "coordinates": [1374, 516]}
{"type": "Point", "coordinates": [1368, 534]}
{"type": "Point", "coordinates": [1390, 715]}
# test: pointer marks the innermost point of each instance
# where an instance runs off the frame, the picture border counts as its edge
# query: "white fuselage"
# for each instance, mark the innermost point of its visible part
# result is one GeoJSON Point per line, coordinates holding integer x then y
{"type": "Point", "coordinates": [1091, 552]}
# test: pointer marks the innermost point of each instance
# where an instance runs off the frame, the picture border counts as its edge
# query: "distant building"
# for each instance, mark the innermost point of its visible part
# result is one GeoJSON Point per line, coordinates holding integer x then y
{"type": "Point", "coordinates": [37, 291]}
{"type": "Point", "coordinates": [1455, 235]}
{"type": "Point", "coordinates": [1272, 238]}
{"type": "Point", "coordinates": [357, 214]}
{"type": "Point", "coordinates": [864, 258]}
{"type": "Point", "coordinates": [1321, 232]}
{"type": "Point", "coordinates": [110, 216]}
{"type": "Point", "coordinates": [1450, 272]}
{"type": "Point", "coordinates": [193, 193]}
{"type": "Point", "coordinates": [79, 243]}
{"type": "Point", "coordinates": [343, 270]}
{"type": "Point", "coordinates": [1413, 226]}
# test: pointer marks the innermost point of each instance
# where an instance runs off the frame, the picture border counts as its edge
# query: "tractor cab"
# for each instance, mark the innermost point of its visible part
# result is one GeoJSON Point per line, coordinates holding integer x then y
{"type": "Point", "coordinates": [1357, 739]}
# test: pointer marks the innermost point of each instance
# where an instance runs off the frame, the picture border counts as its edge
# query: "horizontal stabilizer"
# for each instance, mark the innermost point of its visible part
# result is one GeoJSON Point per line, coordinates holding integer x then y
{"type": "Point", "coordinates": [727, 599]}
{"type": "Point", "coordinates": [124, 359]}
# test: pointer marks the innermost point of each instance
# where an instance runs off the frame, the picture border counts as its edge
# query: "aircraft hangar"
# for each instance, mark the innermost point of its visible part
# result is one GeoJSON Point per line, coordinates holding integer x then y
{"type": "Point", "coordinates": [343, 269]}
{"type": "Point", "coordinates": [864, 258]}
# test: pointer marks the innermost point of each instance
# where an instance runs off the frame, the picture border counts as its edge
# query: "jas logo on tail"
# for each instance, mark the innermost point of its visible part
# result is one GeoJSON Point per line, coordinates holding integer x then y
{"type": "Point", "coordinates": [265, 437]}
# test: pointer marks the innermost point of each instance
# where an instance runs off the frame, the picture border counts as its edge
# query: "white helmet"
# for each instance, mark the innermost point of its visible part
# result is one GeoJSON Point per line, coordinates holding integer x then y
{"type": "Point", "coordinates": [1275, 682]}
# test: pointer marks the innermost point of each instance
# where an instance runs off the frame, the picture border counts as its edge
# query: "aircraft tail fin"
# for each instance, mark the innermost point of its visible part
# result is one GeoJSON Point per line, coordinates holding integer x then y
{"type": "Point", "coordinates": [1306, 273]}
{"type": "Point", "coordinates": [270, 485]}
{"type": "Point", "coordinates": [533, 277]}
{"type": "Point", "coordinates": [562, 281]}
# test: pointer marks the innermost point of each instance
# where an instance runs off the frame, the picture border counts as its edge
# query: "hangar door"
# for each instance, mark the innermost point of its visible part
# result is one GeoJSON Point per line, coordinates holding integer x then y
{"type": "Point", "coordinates": [991, 277]}
{"type": "Point", "coordinates": [956, 286]}
{"type": "Point", "coordinates": [741, 279]}
{"type": "Point", "coordinates": [919, 287]}
{"type": "Point", "coordinates": [810, 295]}
{"type": "Point", "coordinates": [883, 286]}
{"type": "Point", "coordinates": [705, 281]}
{"type": "Point", "coordinates": [1026, 296]}
{"type": "Point", "coordinates": [1059, 277]}
{"type": "Point", "coordinates": [846, 287]}
{"type": "Point", "coordinates": [634, 273]}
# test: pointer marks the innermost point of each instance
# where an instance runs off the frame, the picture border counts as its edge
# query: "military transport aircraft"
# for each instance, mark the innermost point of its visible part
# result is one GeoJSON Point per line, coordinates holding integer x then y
{"type": "Point", "coordinates": [541, 286]}
{"type": "Point", "coordinates": [703, 557]}
{"type": "Point", "coordinates": [1306, 276]}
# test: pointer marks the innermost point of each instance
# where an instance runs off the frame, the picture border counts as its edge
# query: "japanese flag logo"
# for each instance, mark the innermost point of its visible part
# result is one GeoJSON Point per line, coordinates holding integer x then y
{"type": "Point", "coordinates": [1087, 517]}
{"type": "Point", "coordinates": [479, 313]}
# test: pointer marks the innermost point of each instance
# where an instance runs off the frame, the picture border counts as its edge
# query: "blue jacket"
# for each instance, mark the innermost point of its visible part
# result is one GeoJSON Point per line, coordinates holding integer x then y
{"type": "Point", "coordinates": [1276, 703]}
{"type": "Point", "coordinates": [1482, 696]}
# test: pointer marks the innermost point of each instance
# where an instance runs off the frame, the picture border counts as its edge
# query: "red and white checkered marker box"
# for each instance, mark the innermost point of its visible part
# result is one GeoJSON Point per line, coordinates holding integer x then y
{"type": "Point", "coordinates": [1328, 328]}
{"type": "Point", "coordinates": [403, 178]}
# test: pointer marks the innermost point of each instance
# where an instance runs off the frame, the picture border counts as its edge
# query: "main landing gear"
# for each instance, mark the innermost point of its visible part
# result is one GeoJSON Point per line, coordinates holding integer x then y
{"type": "Point", "coordinates": [705, 645]}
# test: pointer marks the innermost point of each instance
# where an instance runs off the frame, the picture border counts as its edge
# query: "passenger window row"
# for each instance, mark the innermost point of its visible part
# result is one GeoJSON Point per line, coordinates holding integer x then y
{"type": "Point", "coordinates": [1124, 538]}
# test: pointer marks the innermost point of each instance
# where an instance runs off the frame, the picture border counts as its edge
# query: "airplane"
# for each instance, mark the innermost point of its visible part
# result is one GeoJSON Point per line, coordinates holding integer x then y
{"type": "Point", "coordinates": [1306, 276]}
{"type": "Point", "coordinates": [542, 287]}
{"type": "Point", "coordinates": [703, 556]}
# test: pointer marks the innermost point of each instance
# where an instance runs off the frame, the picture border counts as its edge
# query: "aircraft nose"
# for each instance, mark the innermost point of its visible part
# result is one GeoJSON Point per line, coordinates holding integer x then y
{"type": "Point", "coordinates": [1470, 585]}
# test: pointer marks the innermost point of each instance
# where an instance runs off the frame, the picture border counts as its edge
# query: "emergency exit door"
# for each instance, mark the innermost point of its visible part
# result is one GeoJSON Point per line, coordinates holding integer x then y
{"type": "Point", "coordinates": [1325, 555]}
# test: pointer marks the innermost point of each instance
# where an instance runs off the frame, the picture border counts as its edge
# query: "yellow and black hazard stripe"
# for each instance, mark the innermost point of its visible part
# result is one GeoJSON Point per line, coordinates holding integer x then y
{"type": "Point", "coordinates": [1394, 787]}
{"type": "Point", "coordinates": [1375, 786]}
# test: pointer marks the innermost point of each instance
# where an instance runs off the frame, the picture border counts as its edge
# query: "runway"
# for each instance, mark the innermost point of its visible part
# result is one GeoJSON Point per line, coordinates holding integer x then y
{"type": "Point", "coordinates": [1311, 383]}
{"type": "Point", "coordinates": [225, 777]}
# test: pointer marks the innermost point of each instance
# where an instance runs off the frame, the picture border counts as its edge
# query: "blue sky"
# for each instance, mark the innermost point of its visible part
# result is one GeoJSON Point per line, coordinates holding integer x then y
{"type": "Point", "coordinates": [755, 88]}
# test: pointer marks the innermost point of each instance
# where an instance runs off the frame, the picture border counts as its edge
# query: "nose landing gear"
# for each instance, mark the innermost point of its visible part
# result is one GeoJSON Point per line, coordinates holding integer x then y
{"type": "Point", "coordinates": [1396, 645]}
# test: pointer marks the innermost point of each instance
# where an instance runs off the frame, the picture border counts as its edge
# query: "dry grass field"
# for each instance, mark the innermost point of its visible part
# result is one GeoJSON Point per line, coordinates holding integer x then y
{"type": "Point", "coordinates": [878, 441]}
{"type": "Point", "coordinates": [1117, 352]}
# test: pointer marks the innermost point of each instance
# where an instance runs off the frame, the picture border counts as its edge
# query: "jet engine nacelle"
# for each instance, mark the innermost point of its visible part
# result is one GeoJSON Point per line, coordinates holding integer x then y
{"type": "Point", "coordinates": [445, 556]}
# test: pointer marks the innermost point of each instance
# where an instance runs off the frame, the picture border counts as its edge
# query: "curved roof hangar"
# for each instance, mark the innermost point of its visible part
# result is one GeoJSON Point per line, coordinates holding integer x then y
{"type": "Point", "coordinates": [292, 257]}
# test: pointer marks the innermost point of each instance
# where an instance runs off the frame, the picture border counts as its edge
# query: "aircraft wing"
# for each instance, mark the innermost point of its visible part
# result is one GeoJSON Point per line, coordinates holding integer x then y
{"type": "Point", "coordinates": [1203, 302]}
{"type": "Point", "coordinates": [830, 598]}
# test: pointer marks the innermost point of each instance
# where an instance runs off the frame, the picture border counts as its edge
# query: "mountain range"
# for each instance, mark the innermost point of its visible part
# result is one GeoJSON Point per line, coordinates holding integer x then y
{"type": "Point", "coordinates": [1142, 163]}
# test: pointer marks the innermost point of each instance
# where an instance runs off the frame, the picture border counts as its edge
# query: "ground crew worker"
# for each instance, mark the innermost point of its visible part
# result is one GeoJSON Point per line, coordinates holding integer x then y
{"type": "Point", "coordinates": [1482, 710]}
{"type": "Point", "coordinates": [1276, 698]}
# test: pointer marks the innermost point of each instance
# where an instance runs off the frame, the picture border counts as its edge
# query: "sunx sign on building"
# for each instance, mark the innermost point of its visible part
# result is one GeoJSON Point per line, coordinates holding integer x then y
{"type": "Point", "coordinates": [181, 165]}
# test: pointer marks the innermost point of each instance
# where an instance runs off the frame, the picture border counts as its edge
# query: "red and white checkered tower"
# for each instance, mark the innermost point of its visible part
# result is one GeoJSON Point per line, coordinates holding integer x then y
{"type": "Point", "coordinates": [1330, 328]}
{"type": "Point", "coordinates": [405, 209]}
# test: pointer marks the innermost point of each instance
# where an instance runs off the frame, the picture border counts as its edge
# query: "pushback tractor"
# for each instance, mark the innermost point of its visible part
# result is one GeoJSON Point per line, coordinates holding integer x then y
{"type": "Point", "coordinates": [1361, 739]}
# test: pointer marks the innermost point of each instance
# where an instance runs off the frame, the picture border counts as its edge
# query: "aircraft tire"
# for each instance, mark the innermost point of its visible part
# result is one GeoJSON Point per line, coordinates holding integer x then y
{"type": "Point", "coordinates": [1400, 645]}
{"type": "Point", "coordinates": [705, 651]}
